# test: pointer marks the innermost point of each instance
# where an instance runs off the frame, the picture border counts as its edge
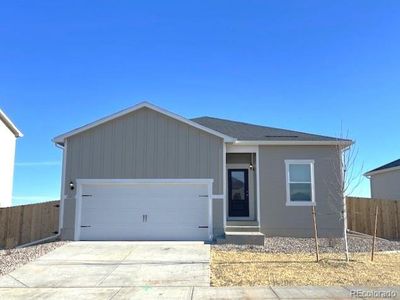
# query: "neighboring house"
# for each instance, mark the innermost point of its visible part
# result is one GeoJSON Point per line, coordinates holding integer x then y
{"type": "Point", "coordinates": [8, 135]}
{"type": "Point", "coordinates": [385, 181]}
{"type": "Point", "coordinates": [148, 174]}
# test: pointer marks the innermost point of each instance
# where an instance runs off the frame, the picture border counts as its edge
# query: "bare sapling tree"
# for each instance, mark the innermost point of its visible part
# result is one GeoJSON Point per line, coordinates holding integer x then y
{"type": "Point", "coordinates": [348, 176]}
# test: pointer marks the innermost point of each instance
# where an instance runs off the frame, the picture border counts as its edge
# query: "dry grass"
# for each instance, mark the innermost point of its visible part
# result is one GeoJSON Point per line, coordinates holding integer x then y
{"type": "Point", "coordinates": [242, 268]}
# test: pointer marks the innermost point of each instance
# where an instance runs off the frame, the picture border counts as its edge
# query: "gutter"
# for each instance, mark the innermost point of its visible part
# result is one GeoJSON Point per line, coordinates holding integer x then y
{"type": "Point", "coordinates": [294, 143]}
{"type": "Point", "coordinates": [10, 125]}
{"type": "Point", "coordinates": [371, 173]}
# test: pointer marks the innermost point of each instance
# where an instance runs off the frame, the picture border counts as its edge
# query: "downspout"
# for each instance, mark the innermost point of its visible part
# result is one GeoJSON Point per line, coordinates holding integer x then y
{"type": "Point", "coordinates": [61, 212]}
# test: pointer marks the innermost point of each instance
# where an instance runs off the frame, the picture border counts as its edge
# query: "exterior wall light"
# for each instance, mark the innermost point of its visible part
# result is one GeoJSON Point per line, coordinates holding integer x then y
{"type": "Point", "coordinates": [71, 185]}
{"type": "Point", "coordinates": [251, 166]}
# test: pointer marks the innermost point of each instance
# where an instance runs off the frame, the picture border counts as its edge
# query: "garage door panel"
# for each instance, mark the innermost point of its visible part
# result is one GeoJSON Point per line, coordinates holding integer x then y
{"type": "Point", "coordinates": [145, 190]}
{"type": "Point", "coordinates": [96, 217]}
{"type": "Point", "coordinates": [188, 218]}
{"type": "Point", "coordinates": [145, 211]}
{"type": "Point", "coordinates": [119, 234]}
{"type": "Point", "coordinates": [163, 205]}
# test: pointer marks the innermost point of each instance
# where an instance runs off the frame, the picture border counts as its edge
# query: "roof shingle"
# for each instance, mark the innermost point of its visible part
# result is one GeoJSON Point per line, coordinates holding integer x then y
{"type": "Point", "coordinates": [251, 132]}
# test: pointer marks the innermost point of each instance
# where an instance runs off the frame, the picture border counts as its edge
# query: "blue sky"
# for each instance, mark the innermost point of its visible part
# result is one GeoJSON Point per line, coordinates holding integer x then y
{"type": "Point", "coordinates": [303, 65]}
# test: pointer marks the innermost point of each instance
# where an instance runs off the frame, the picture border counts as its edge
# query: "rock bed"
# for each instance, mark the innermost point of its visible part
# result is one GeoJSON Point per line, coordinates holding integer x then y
{"type": "Point", "coordinates": [11, 259]}
{"type": "Point", "coordinates": [357, 243]}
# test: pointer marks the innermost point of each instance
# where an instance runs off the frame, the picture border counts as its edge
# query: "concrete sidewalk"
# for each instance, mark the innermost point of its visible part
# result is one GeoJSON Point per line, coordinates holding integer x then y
{"type": "Point", "coordinates": [100, 293]}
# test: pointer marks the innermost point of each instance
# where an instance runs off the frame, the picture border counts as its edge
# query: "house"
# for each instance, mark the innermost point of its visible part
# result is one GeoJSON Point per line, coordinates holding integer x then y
{"type": "Point", "coordinates": [148, 174]}
{"type": "Point", "coordinates": [8, 135]}
{"type": "Point", "coordinates": [385, 181]}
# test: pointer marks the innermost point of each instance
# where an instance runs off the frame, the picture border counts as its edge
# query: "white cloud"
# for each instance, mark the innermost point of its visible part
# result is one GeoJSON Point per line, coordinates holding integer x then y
{"type": "Point", "coordinates": [38, 163]}
{"type": "Point", "coordinates": [35, 198]}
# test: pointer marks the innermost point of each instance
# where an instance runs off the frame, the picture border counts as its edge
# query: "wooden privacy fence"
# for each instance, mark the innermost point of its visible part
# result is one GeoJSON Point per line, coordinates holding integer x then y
{"type": "Point", "coordinates": [361, 216]}
{"type": "Point", "coordinates": [28, 223]}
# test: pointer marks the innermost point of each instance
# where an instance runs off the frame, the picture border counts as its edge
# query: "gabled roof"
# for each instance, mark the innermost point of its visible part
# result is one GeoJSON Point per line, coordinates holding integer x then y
{"type": "Point", "coordinates": [61, 138]}
{"type": "Point", "coordinates": [10, 125]}
{"type": "Point", "coordinates": [248, 133]}
{"type": "Point", "coordinates": [394, 165]}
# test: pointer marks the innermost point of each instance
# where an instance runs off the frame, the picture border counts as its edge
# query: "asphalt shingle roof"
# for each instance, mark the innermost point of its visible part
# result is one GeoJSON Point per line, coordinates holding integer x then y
{"type": "Point", "coordinates": [251, 132]}
{"type": "Point", "coordinates": [393, 164]}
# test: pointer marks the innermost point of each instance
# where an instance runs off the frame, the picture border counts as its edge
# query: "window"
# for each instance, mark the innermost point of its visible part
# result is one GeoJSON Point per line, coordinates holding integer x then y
{"type": "Point", "coordinates": [300, 182]}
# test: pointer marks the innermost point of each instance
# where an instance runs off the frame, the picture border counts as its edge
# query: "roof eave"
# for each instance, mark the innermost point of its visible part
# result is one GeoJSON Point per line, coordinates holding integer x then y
{"type": "Point", "coordinates": [10, 125]}
{"type": "Point", "coordinates": [372, 173]}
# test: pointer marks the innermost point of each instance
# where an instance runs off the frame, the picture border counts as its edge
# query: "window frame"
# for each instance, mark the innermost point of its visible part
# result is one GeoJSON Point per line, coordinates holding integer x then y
{"type": "Point", "coordinates": [309, 162]}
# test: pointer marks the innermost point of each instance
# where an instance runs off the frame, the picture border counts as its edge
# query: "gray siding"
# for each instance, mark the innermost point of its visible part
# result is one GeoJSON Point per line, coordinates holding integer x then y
{"type": "Point", "coordinates": [277, 219]}
{"type": "Point", "coordinates": [386, 185]}
{"type": "Point", "coordinates": [218, 217]}
{"type": "Point", "coordinates": [142, 144]}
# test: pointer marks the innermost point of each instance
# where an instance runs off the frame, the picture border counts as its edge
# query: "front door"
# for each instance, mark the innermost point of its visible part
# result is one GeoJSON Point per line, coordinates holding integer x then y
{"type": "Point", "coordinates": [238, 192]}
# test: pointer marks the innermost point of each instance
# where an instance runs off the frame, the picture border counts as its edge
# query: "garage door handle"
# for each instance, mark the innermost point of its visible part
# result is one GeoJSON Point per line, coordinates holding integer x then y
{"type": "Point", "coordinates": [85, 226]}
{"type": "Point", "coordinates": [203, 196]}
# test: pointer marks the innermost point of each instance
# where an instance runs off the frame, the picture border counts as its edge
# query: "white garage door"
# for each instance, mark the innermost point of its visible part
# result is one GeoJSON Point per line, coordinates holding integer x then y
{"type": "Point", "coordinates": [144, 210]}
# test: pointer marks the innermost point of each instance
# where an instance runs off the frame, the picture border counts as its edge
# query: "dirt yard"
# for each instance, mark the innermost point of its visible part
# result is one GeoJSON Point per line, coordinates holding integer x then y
{"type": "Point", "coordinates": [246, 268]}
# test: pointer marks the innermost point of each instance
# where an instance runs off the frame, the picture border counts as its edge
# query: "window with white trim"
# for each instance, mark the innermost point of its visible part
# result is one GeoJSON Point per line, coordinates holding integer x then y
{"type": "Point", "coordinates": [300, 182]}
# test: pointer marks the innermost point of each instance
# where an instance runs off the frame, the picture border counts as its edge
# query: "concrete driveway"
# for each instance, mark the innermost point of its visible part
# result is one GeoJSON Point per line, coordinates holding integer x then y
{"type": "Point", "coordinates": [108, 265]}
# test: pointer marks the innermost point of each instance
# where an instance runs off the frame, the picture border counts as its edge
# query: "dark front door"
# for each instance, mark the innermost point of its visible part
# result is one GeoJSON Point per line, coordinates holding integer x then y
{"type": "Point", "coordinates": [238, 192]}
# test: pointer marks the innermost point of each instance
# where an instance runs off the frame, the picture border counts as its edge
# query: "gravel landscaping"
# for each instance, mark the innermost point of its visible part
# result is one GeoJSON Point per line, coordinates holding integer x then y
{"type": "Point", "coordinates": [357, 243]}
{"type": "Point", "coordinates": [11, 259]}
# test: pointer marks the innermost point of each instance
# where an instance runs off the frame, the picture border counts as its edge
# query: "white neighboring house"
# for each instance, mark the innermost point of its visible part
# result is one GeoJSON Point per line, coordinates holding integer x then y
{"type": "Point", "coordinates": [385, 181]}
{"type": "Point", "coordinates": [8, 135]}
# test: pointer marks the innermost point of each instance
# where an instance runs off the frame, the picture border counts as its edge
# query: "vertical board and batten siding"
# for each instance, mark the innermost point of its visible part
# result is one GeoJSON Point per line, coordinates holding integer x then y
{"type": "Point", "coordinates": [142, 144]}
{"type": "Point", "coordinates": [277, 219]}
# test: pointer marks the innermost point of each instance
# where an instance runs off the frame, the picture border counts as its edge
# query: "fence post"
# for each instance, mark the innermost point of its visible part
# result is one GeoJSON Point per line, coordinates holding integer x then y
{"type": "Point", "coordinates": [375, 228]}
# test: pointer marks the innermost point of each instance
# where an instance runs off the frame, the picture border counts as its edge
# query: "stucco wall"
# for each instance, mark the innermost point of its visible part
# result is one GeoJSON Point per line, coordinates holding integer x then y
{"type": "Point", "coordinates": [142, 144]}
{"type": "Point", "coordinates": [7, 155]}
{"type": "Point", "coordinates": [386, 185]}
{"type": "Point", "coordinates": [277, 219]}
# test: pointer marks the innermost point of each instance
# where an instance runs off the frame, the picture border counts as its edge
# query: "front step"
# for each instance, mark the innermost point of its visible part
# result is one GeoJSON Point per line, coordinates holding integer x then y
{"type": "Point", "coordinates": [242, 228]}
{"type": "Point", "coordinates": [242, 223]}
{"type": "Point", "coordinates": [242, 238]}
